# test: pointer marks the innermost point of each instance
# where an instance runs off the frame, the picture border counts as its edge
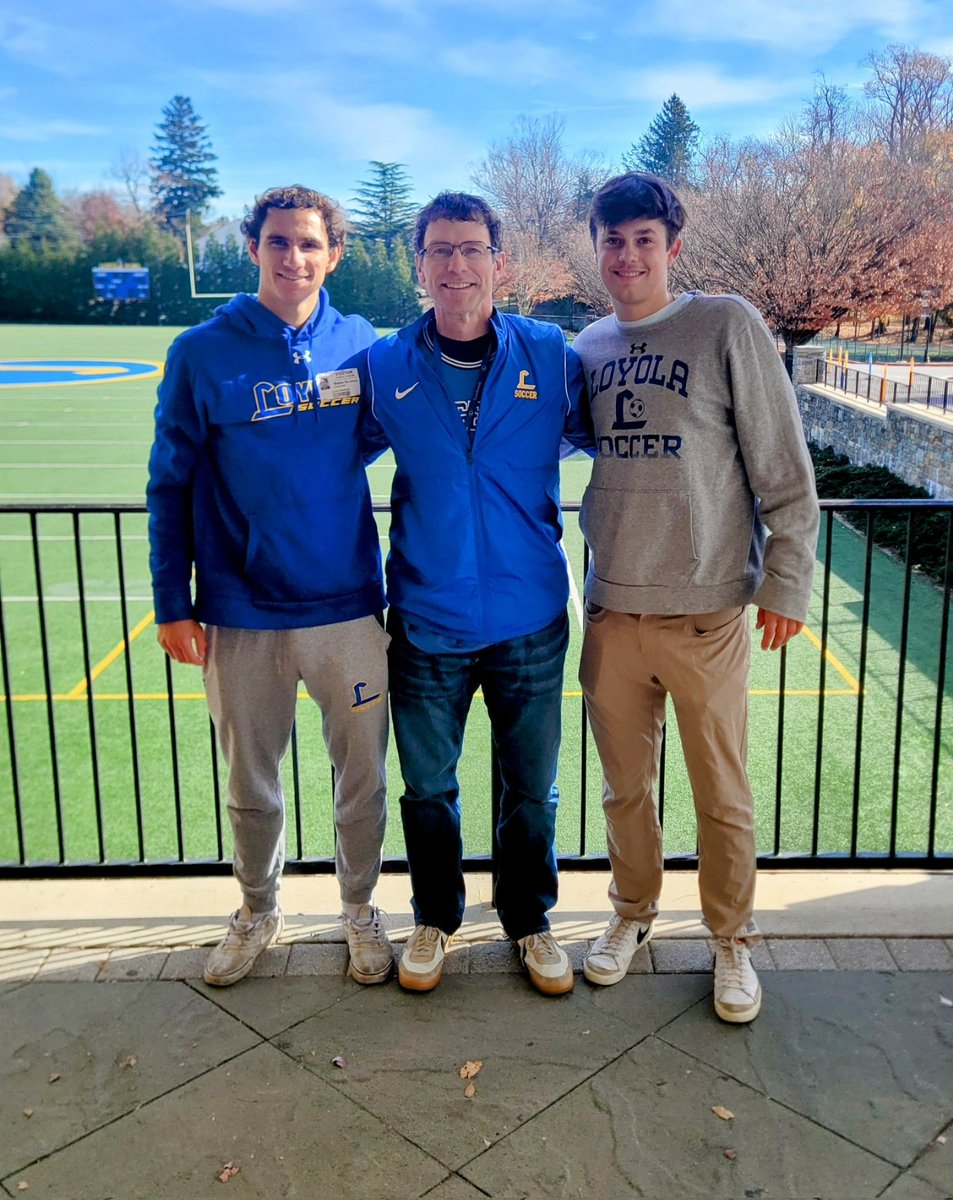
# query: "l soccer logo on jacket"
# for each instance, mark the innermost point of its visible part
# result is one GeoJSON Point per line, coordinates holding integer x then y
{"type": "Point", "coordinates": [628, 410]}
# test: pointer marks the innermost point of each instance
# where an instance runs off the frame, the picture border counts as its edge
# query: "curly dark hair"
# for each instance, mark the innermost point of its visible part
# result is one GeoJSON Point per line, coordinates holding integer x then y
{"type": "Point", "coordinates": [636, 194]}
{"type": "Point", "coordinates": [296, 196]}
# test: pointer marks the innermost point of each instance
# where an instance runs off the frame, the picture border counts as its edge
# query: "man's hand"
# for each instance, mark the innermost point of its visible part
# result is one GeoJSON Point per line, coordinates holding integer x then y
{"type": "Point", "coordinates": [183, 641]}
{"type": "Point", "coordinates": [778, 630]}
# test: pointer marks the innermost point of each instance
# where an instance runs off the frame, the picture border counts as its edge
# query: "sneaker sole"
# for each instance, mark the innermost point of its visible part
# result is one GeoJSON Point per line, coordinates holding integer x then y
{"type": "Point", "coordinates": [604, 979]}
{"type": "Point", "coordinates": [552, 987]}
{"type": "Point", "coordinates": [739, 1018]}
{"type": "Point", "coordinates": [418, 983]}
{"type": "Point", "coordinates": [228, 980]}
{"type": "Point", "coordinates": [365, 978]}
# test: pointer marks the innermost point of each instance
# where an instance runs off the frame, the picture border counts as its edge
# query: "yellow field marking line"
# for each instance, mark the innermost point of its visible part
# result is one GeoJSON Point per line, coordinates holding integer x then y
{"type": "Point", "coordinates": [75, 370]}
{"type": "Point", "coordinates": [78, 692]}
{"type": "Point", "coordinates": [852, 683]}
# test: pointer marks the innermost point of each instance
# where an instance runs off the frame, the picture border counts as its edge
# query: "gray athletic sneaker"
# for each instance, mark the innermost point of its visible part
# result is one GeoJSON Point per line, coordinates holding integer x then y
{"type": "Point", "coordinates": [248, 936]}
{"type": "Point", "coordinates": [372, 956]}
{"type": "Point", "coordinates": [737, 991]}
{"type": "Point", "coordinates": [608, 960]}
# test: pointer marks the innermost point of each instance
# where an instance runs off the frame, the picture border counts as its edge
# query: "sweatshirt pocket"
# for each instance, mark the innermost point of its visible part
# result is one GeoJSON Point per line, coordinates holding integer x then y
{"type": "Point", "coordinates": [639, 539]}
{"type": "Point", "coordinates": [305, 553]}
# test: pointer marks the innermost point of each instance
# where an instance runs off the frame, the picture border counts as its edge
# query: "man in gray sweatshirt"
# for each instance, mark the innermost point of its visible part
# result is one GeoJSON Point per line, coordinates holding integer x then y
{"type": "Point", "coordinates": [701, 502]}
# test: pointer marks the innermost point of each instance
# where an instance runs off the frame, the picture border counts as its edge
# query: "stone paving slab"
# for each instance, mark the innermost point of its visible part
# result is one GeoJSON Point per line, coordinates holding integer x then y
{"type": "Point", "coordinates": [123, 965]}
{"type": "Point", "coordinates": [919, 954]}
{"type": "Point", "coordinates": [647, 1120]}
{"type": "Point", "coordinates": [864, 1054]}
{"type": "Point", "coordinates": [271, 1009]}
{"type": "Point", "coordinates": [85, 1035]}
{"type": "Point", "coordinates": [908, 1187]}
{"type": "Point", "coordinates": [287, 1131]}
{"type": "Point", "coordinates": [455, 1188]}
{"type": "Point", "coordinates": [861, 954]}
{"type": "Point", "coordinates": [404, 1051]}
{"type": "Point", "coordinates": [935, 1164]}
{"type": "Point", "coordinates": [801, 954]}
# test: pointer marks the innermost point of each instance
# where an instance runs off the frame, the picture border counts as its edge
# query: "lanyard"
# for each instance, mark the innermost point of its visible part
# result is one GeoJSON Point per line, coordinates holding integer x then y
{"type": "Point", "coordinates": [472, 414]}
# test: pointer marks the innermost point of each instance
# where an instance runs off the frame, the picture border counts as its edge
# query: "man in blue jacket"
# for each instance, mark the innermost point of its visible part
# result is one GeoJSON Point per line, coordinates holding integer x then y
{"type": "Point", "coordinates": [474, 405]}
{"type": "Point", "coordinates": [256, 478]}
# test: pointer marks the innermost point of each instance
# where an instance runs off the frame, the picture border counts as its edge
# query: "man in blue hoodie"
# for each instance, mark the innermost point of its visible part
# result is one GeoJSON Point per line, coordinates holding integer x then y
{"type": "Point", "coordinates": [474, 405]}
{"type": "Point", "coordinates": [256, 479]}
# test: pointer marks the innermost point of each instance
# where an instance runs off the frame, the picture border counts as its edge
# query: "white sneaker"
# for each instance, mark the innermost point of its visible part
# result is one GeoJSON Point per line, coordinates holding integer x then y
{"type": "Point", "coordinates": [737, 991]}
{"type": "Point", "coordinates": [550, 970]}
{"type": "Point", "coordinates": [248, 936]}
{"type": "Point", "coordinates": [608, 960]}
{"type": "Point", "coordinates": [421, 964]}
{"type": "Point", "coordinates": [372, 956]}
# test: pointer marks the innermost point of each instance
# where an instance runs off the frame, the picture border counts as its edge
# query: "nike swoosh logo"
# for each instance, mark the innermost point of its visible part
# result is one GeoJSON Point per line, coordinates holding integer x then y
{"type": "Point", "coordinates": [399, 395]}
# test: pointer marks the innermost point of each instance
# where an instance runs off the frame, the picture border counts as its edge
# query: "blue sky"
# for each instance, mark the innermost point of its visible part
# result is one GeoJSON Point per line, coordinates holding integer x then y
{"type": "Point", "coordinates": [309, 90]}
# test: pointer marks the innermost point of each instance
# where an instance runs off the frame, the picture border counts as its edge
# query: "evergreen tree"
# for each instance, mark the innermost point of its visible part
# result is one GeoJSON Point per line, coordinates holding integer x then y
{"type": "Point", "coordinates": [384, 210]}
{"type": "Point", "coordinates": [669, 145]}
{"type": "Point", "coordinates": [183, 175]}
{"type": "Point", "coordinates": [37, 218]}
{"type": "Point", "coordinates": [350, 284]}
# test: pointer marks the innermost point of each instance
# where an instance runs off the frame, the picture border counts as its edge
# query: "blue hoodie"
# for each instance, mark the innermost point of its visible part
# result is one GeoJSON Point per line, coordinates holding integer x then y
{"type": "Point", "coordinates": [256, 474]}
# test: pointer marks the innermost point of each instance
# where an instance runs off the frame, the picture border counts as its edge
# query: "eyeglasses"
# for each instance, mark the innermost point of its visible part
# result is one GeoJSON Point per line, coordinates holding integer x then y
{"type": "Point", "coordinates": [469, 251]}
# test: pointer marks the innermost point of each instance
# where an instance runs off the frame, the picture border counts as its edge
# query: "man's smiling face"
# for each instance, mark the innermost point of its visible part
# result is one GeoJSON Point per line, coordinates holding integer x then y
{"type": "Point", "coordinates": [461, 289]}
{"type": "Point", "coordinates": [293, 259]}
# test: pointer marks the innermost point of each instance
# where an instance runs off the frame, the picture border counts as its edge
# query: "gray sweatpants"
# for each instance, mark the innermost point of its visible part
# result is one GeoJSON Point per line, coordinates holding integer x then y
{"type": "Point", "coordinates": [251, 680]}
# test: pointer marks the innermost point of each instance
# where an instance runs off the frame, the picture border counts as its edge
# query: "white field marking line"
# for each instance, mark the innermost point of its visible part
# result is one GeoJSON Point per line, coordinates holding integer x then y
{"type": "Point", "coordinates": [82, 498]}
{"type": "Point", "coordinates": [66, 537]}
{"type": "Point", "coordinates": [72, 442]}
{"type": "Point", "coordinates": [74, 599]}
{"type": "Point", "coordinates": [574, 592]}
{"type": "Point", "coordinates": [59, 424]}
{"type": "Point", "coordinates": [54, 466]}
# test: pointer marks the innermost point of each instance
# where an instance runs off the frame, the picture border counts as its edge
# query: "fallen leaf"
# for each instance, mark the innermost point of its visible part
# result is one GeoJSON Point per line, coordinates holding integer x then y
{"type": "Point", "coordinates": [720, 1111]}
{"type": "Point", "coordinates": [487, 1142]}
{"type": "Point", "coordinates": [130, 1061]}
{"type": "Point", "coordinates": [339, 1061]}
{"type": "Point", "coordinates": [731, 1155]}
{"type": "Point", "coordinates": [22, 1185]}
{"type": "Point", "coordinates": [471, 1068]}
{"type": "Point", "coordinates": [947, 1002]}
{"type": "Point", "coordinates": [229, 1171]}
{"type": "Point", "coordinates": [941, 1140]}
{"type": "Point", "coordinates": [53, 1078]}
{"type": "Point", "coordinates": [28, 1112]}
{"type": "Point", "coordinates": [470, 1091]}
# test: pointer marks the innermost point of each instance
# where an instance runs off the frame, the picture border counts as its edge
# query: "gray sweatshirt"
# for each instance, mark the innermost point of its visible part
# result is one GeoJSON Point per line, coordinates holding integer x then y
{"type": "Point", "coordinates": [702, 492]}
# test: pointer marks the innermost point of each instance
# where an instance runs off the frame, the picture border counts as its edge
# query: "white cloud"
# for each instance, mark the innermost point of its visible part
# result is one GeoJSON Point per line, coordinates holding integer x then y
{"type": "Point", "coordinates": [26, 38]}
{"type": "Point", "coordinates": [703, 86]}
{"type": "Point", "coordinates": [500, 62]}
{"type": "Point", "coordinates": [44, 131]}
{"type": "Point", "coordinates": [816, 25]}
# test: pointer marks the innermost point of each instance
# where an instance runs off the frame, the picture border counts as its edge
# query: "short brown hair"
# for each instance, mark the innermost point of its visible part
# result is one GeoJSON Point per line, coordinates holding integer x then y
{"type": "Point", "coordinates": [633, 195]}
{"type": "Point", "coordinates": [296, 196]}
{"type": "Point", "coordinates": [457, 206]}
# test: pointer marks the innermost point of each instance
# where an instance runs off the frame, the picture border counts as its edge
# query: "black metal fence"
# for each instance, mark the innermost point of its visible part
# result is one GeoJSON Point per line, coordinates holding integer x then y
{"type": "Point", "coordinates": [872, 384]}
{"type": "Point", "coordinates": [108, 762]}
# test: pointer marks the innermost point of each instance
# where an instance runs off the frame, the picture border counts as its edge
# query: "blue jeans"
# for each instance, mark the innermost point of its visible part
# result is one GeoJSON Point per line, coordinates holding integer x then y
{"type": "Point", "coordinates": [430, 695]}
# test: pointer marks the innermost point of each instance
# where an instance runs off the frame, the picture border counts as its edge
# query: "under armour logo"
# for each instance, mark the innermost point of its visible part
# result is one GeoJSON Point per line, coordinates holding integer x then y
{"type": "Point", "coordinates": [298, 358]}
{"type": "Point", "coordinates": [634, 349]}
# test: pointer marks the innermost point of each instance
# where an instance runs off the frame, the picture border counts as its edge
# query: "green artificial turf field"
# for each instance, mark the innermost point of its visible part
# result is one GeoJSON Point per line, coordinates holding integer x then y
{"type": "Point", "coordinates": [88, 442]}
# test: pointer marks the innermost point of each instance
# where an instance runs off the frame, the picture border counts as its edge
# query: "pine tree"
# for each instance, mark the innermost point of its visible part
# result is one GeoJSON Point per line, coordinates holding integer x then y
{"type": "Point", "coordinates": [37, 218]}
{"type": "Point", "coordinates": [669, 145]}
{"type": "Point", "coordinates": [383, 208]}
{"type": "Point", "coordinates": [184, 178]}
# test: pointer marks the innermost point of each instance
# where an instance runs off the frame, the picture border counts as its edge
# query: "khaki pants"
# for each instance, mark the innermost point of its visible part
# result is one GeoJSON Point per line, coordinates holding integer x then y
{"type": "Point", "coordinates": [629, 663]}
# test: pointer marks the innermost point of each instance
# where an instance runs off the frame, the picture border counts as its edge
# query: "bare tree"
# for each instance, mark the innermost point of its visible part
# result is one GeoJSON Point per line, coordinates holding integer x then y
{"type": "Point", "coordinates": [133, 172]}
{"type": "Point", "coordinates": [538, 189]}
{"type": "Point", "coordinates": [587, 285]}
{"type": "Point", "coordinates": [90, 213]}
{"type": "Point", "coordinates": [812, 233]}
{"type": "Point", "coordinates": [533, 273]}
{"type": "Point", "coordinates": [911, 96]}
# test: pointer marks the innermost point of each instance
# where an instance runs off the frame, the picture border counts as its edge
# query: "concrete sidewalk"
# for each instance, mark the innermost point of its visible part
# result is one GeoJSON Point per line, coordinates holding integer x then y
{"type": "Point", "coordinates": [311, 1086]}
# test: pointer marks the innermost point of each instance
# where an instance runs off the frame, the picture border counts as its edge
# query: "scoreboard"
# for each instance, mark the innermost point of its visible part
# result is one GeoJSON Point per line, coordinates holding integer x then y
{"type": "Point", "coordinates": [121, 282]}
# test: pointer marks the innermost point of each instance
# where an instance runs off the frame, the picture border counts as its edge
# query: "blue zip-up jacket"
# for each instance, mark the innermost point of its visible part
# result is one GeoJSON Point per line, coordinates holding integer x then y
{"type": "Point", "coordinates": [475, 552]}
{"type": "Point", "coordinates": [256, 474]}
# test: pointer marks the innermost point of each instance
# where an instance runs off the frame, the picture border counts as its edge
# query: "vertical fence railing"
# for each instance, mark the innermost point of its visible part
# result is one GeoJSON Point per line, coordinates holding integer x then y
{"type": "Point", "coordinates": [872, 384]}
{"type": "Point", "coordinates": [67, 764]}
